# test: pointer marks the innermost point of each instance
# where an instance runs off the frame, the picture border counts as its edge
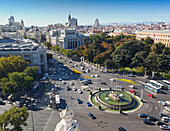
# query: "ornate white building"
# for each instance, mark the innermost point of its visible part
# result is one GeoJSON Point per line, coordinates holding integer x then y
{"type": "Point", "coordinates": [67, 123]}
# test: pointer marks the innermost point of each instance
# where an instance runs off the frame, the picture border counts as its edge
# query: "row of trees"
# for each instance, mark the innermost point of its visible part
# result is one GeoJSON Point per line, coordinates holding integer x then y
{"type": "Point", "coordinates": [125, 51]}
{"type": "Point", "coordinates": [17, 75]}
{"type": "Point", "coordinates": [68, 53]}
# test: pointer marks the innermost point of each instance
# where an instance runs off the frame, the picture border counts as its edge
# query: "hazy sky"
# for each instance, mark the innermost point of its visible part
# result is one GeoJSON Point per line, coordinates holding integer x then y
{"type": "Point", "coordinates": [44, 12]}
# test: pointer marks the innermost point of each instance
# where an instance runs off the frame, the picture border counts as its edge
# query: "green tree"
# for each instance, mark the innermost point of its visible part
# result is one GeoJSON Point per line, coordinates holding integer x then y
{"type": "Point", "coordinates": [16, 117]}
{"type": "Point", "coordinates": [48, 44]}
{"type": "Point", "coordinates": [31, 71]}
{"type": "Point", "coordinates": [49, 56]}
{"type": "Point", "coordinates": [149, 40]}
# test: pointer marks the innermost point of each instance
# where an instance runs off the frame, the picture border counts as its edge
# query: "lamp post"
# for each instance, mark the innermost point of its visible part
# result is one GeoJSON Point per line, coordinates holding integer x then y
{"type": "Point", "coordinates": [146, 61]}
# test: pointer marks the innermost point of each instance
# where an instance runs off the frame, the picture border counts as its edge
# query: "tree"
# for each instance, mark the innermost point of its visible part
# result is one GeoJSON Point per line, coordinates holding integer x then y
{"type": "Point", "coordinates": [25, 37]}
{"type": "Point", "coordinates": [49, 56]}
{"type": "Point", "coordinates": [48, 44]}
{"type": "Point", "coordinates": [15, 117]}
{"type": "Point", "coordinates": [31, 71]}
{"type": "Point", "coordinates": [149, 40]}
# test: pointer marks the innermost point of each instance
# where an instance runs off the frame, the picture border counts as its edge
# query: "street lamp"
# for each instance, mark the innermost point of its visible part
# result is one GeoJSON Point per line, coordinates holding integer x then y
{"type": "Point", "coordinates": [146, 61]}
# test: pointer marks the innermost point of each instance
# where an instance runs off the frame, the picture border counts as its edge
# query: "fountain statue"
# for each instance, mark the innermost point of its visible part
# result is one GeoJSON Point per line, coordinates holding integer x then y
{"type": "Point", "coordinates": [115, 96]}
{"type": "Point", "coordinates": [67, 123]}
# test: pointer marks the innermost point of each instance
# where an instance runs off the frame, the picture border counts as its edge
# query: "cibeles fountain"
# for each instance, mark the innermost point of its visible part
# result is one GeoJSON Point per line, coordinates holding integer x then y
{"type": "Point", "coordinates": [67, 123]}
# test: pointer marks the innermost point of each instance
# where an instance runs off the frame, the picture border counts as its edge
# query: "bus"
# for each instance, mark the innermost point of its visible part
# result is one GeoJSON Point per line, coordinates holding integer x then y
{"type": "Point", "coordinates": [157, 84]}
{"type": "Point", "coordinates": [166, 83]}
{"type": "Point", "coordinates": [153, 88]}
{"type": "Point", "coordinates": [57, 101]}
{"type": "Point", "coordinates": [34, 89]}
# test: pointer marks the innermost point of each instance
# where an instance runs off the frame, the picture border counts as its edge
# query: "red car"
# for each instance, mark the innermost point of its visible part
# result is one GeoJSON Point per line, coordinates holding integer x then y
{"type": "Point", "coordinates": [132, 90]}
{"type": "Point", "coordinates": [150, 95]}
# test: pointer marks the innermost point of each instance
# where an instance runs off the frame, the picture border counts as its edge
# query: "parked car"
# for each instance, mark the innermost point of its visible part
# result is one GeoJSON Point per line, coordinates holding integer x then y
{"type": "Point", "coordinates": [130, 75]}
{"type": "Point", "coordinates": [88, 104]}
{"type": "Point", "coordinates": [146, 121]}
{"type": "Point", "coordinates": [68, 88]}
{"type": "Point", "coordinates": [162, 115]}
{"type": "Point", "coordinates": [164, 127]}
{"type": "Point", "coordinates": [91, 116]}
{"type": "Point", "coordinates": [167, 102]}
{"type": "Point", "coordinates": [71, 83]}
{"type": "Point", "coordinates": [143, 115]}
{"type": "Point", "coordinates": [152, 118]}
{"type": "Point", "coordinates": [150, 95]}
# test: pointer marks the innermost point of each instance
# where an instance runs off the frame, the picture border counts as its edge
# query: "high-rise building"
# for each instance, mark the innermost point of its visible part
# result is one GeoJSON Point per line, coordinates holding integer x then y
{"type": "Point", "coordinates": [72, 22]}
{"type": "Point", "coordinates": [96, 24]}
{"type": "Point", "coordinates": [22, 24]}
{"type": "Point", "coordinates": [11, 20]}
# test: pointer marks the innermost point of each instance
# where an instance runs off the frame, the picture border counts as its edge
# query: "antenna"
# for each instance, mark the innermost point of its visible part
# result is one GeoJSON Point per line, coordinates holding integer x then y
{"type": "Point", "coordinates": [11, 12]}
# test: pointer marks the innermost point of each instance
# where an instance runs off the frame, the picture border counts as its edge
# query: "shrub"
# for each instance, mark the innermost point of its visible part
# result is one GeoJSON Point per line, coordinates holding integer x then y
{"type": "Point", "coordinates": [166, 75]}
{"type": "Point", "coordinates": [99, 89]}
{"type": "Point", "coordinates": [91, 93]}
{"type": "Point", "coordinates": [110, 88]}
{"type": "Point", "coordinates": [99, 107]}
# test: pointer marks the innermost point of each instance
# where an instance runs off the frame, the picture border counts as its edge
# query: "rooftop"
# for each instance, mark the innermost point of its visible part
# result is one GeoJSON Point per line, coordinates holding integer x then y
{"type": "Point", "coordinates": [155, 31]}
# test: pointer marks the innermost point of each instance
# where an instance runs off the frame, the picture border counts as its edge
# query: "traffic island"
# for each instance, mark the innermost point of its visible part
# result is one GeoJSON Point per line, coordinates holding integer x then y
{"type": "Point", "coordinates": [115, 101]}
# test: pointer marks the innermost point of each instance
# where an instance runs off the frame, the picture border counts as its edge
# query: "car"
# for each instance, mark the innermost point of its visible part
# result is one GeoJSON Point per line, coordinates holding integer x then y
{"type": "Point", "coordinates": [162, 115]}
{"type": "Point", "coordinates": [91, 116]}
{"type": "Point", "coordinates": [150, 95]}
{"type": "Point", "coordinates": [68, 88]}
{"type": "Point", "coordinates": [69, 62]}
{"type": "Point", "coordinates": [162, 103]}
{"type": "Point", "coordinates": [78, 100]}
{"type": "Point", "coordinates": [164, 127]}
{"type": "Point", "coordinates": [167, 102]}
{"type": "Point", "coordinates": [79, 91]}
{"type": "Point", "coordinates": [167, 108]}
{"type": "Point", "coordinates": [74, 89]}
{"type": "Point", "coordinates": [165, 119]}
{"type": "Point", "coordinates": [132, 91]}
{"type": "Point", "coordinates": [60, 79]}
{"type": "Point", "coordinates": [146, 121]}
{"type": "Point", "coordinates": [81, 79]}
{"type": "Point", "coordinates": [71, 83]}
{"type": "Point", "coordinates": [103, 83]}
{"type": "Point", "coordinates": [152, 118]}
{"type": "Point", "coordinates": [88, 104]}
{"type": "Point", "coordinates": [92, 75]}
{"type": "Point", "coordinates": [63, 82]}
{"type": "Point", "coordinates": [160, 123]}
{"type": "Point", "coordinates": [121, 129]}
{"type": "Point", "coordinates": [130, 75]}
{"type": "Point", "coordinates": [119, 86]}
{"type": "Point", "coordinates": [132, 86]}
{"type": "Point", "coordinates": [143, 115]}
{"type": "Point", "coordinates": [96, 75]}
{"type": "Point", "coordinates": [85, 83]}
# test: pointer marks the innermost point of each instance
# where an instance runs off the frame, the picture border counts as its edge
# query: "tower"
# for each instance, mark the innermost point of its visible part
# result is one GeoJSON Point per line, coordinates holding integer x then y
{"type": "Point", "coordinates": [11, 20]}
{"type": "Point", "coordinates": [22, 24]}
{"type": "Point", "coordinates": [96, 24]}
{"type": "Point", "coordinates": [69, 20]}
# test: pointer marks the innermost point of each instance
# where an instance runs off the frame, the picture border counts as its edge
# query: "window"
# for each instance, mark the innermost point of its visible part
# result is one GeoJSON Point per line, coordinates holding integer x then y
{"type": "Point", "coordinates": [41, 58]}
{"type": "Point", "coordinates": [27, 55]}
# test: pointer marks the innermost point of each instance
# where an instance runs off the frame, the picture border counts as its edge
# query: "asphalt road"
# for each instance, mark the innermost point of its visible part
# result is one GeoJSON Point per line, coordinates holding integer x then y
{"type": "Point", "coordinates": [43, 118]}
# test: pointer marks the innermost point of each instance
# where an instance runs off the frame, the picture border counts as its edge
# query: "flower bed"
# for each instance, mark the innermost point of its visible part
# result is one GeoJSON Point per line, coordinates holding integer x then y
{"type": "Point", "coordinates": [129, 81]}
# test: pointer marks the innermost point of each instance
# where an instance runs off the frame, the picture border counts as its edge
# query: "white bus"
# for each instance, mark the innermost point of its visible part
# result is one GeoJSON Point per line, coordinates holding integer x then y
{"type": "Point", "coordinates": [157, 84]}
{"type": "Point", "coordinates": [57, 101]}
{"type": "Point", "coordinates": [166, 83]}
{"type": "Point", "coordinates": [152, 88]}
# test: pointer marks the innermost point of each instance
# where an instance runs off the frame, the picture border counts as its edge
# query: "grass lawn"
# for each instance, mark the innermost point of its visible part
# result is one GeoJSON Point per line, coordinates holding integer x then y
{"type": "Point", "coordinates": [125, 99]}
{"type": "Point", "coordinates": [129, 81]}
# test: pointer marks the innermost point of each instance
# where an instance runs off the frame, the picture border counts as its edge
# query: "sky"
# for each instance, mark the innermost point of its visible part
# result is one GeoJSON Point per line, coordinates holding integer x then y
{"type": "Point", "coordinates": [45, 12]}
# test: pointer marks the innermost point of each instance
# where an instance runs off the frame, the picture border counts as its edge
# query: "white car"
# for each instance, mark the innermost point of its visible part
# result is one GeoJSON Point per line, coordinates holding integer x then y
{"type": "Point", "coordinates": [162, 103]}
{"type": "Point", "coordinates": [167, 102]}
{"type": "Point", "coordinates": [79, 91]}
{"type": "Point", "coordinates": [60, 79]}
{"type": "Point", "coordinates": [92, 75]}
{"type": "Point", "coordinates": [165, 119]}
{"type": "Point", "coordinates": [119, 86]}
{"type": "Point", "coordinates": [71, 83]}
{"type": "Point", "coordinates": [74, 89]}
{"type": "Point", "coordinates": [164, 127]}
{"type": "Point", "coordinates": [132, 86]}
{"type": "Point", "coordinates": [96, 75]}
{"type": "Point", "coordinates": [167, 108]}
{"type": "Point", "coordinates": [63, 82]}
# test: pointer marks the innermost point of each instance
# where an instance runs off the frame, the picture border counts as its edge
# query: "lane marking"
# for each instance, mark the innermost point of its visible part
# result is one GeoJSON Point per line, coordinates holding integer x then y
{"type": "Point", "coordinates": [48, 120]}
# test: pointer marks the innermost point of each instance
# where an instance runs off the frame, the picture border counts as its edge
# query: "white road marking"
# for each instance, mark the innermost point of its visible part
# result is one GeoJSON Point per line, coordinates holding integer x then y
{"type": "Point", "coordinates": [48, 120]}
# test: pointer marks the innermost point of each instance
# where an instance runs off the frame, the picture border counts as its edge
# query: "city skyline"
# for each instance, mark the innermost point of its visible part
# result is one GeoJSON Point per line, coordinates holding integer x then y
{"type": "Point", "coordinates": [43, 13]}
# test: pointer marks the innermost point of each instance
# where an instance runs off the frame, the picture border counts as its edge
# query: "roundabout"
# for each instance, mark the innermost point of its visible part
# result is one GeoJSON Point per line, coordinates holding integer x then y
{"type": "Point", "coordinates": [115, 100]}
